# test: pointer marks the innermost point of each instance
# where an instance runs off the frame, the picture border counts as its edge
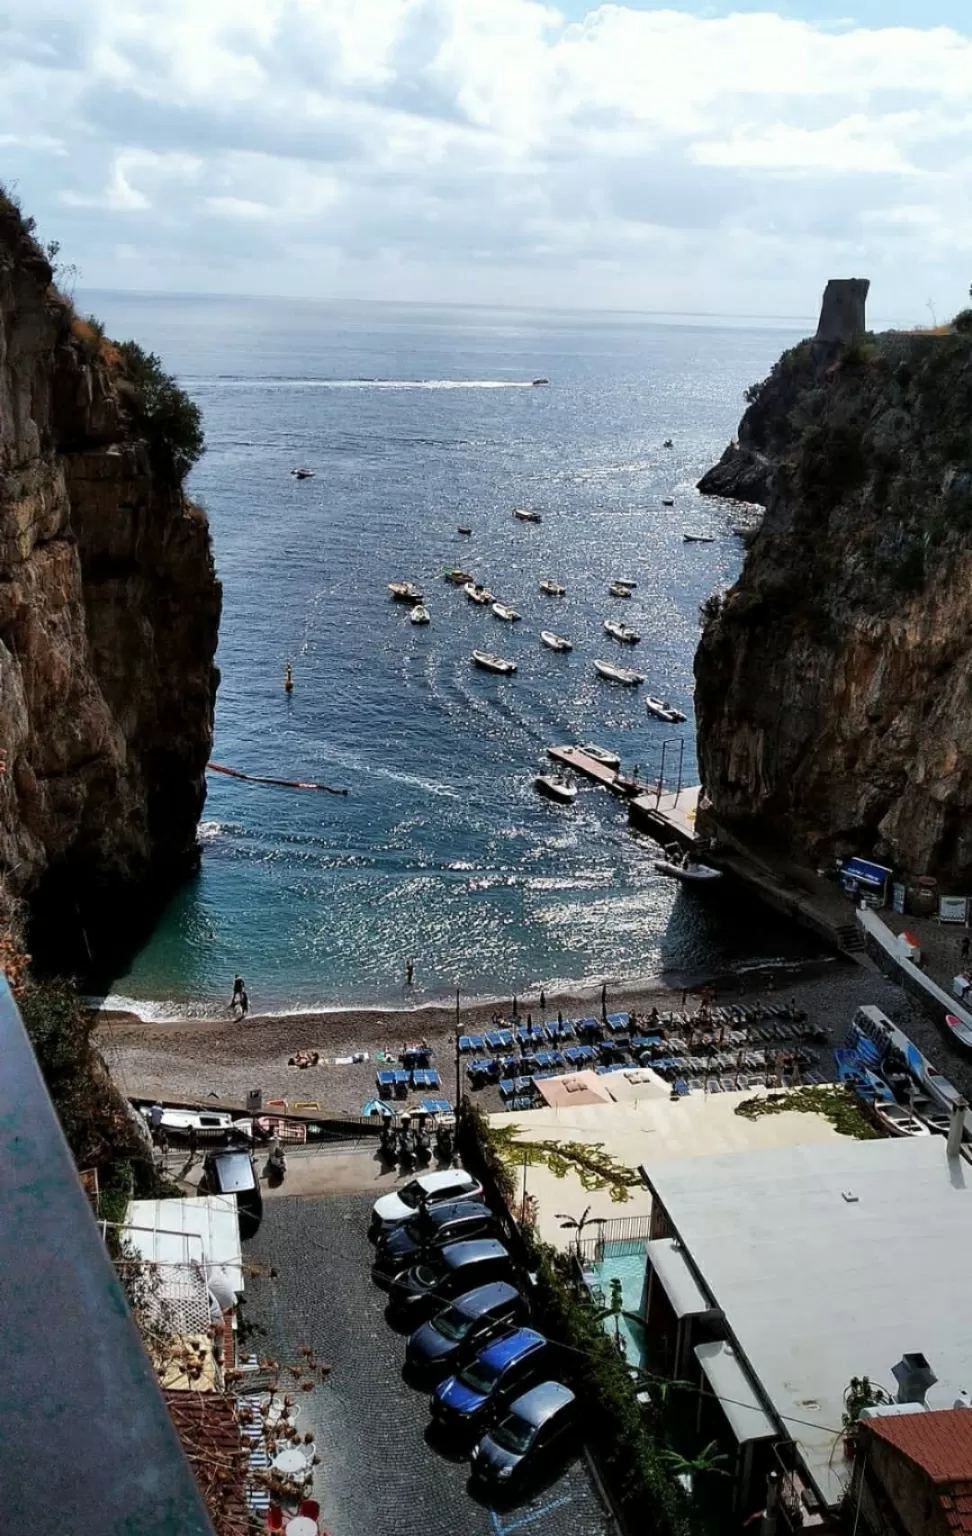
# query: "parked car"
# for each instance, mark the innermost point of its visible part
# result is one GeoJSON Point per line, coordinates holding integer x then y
{"type": "Point", "coordinates": [426, 1189]}
{"type": "Point", "coordinates": [457, 1268]}
{"type": "Point", "coordinates": [539, 1431]}
{"type": "Point", "coordinates": [455, 1334]}
{"type": "Point", "coordinates": [234, 1173]}
{"type": "Point", "coordinates": [472, 1399]}
{"type": "Point", "coordinates": [429, 1229]}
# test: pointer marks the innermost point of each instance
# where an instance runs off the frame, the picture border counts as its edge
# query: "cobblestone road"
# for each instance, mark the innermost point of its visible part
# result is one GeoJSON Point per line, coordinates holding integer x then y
{"type": "Point", "coordinates": [377, 1477]}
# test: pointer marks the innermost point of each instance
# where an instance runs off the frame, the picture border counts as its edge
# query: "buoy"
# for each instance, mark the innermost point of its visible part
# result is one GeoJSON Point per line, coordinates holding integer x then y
{"type": "Point", "coordinates": [288, 679]}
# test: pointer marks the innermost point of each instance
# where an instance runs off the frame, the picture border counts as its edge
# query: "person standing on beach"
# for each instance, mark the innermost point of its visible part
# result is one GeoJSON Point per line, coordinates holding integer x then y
{"type": "Point", "coordinates": [409, 972]}
{"type": "Point", "coordinates": [238, 987]}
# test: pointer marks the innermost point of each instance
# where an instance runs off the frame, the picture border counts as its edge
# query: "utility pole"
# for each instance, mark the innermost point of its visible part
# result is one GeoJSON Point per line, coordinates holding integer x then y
{"type": "Point", "coordinates": [458, 1069]}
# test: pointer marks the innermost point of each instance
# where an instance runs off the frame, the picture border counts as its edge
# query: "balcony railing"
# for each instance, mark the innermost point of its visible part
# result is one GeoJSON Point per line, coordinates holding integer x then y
{"type": "Point", "coordinates": [620, 1234]}
{"type": "Point", "coordinates": [86, 1442]}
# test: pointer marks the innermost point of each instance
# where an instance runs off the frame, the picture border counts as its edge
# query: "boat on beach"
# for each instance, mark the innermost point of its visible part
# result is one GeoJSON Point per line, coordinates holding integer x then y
{"type": "Point", "coordinates": [491, 663]}
{"type": "Point", "coordinates": [662, 710]}
{"type": "Point", "coordinates": [555, 787]}
{"type": "Point", "coordinates": [613, 674]}
{"type": "Point", "coordinates": [553, 588]}
{"type": "Point", "coordinates": [405, 592]}
{"type": "Point", "coordinates": [420, 614]}
{"type": "Point", "coordinates": [688, 871]}
{"type": "Point", "coordinates": [698, 538]}
{"type": "Point", "coordinates": [555, 642]}
{"type": "Point", "coordinates": [898, 1119]}
{"type": "Point", "coordinates": [621, 632]}
{"type": "Point", "coordinates": [601, 755]}
{"type": "Point", "coordinates": [525, 515]}
{"type": "Point", "coordinates": [958, 1031]}
{"type": "Point", "coordinates": [478, 594]}
{"type": "Point", "coordinates": [505, 612]}
{"type": "Point", "coordinates": [619, 589]}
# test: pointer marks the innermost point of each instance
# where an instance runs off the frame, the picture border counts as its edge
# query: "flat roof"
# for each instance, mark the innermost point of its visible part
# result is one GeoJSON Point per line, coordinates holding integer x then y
{"type": "Point", "coordinates": [828, 1262]}
{"type": "Point", "coordinates": [676, 1279]}
{"type": "Point", "coordinates": [747, 1417]}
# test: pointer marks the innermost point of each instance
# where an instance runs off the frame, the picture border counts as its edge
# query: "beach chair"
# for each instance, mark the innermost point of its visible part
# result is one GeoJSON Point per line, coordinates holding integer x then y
{"type": "Point", "coordinates": [507, 1088]}
{"type": "Point", "coordinates": [465, 1044]}
{"type": "Point", "coordinates": [401, 1084]}
{"type": "Point", "coordinates": [385, 1083]}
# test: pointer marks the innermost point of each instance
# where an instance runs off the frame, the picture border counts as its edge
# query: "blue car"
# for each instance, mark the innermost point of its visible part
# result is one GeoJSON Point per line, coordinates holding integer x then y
{"type": "Point", "coordinates": [447, 1340]}
{"type": "Point", "coordinates": [538, 1432]}
{"type": "Point", "coordinates": [469, 1401]}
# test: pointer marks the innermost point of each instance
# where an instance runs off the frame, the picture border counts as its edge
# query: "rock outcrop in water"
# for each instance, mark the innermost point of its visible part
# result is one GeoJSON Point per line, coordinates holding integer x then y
{"type": "Point", "coordinates": [109, 612]}
{"type": "Point", "coordinates": [834, 680]}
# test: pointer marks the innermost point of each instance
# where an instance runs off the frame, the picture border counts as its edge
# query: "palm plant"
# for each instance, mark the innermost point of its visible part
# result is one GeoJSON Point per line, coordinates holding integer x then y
{"type": "Point", "coordinates": [576, 1224]}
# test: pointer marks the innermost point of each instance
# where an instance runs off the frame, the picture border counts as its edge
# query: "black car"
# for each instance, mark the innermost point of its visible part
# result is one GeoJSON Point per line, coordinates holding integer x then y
{"type": "Point", "coordinates": [539, 1431]}
{"type": "Point", "coordinates": [457, 1268]}
{"type": "Point", "coordinates": [447, 1340]}
{"type": "Point", "coordinates": [467, 1403]}
{"type": "Point", "coordinates": [427, 1231]}
{"type": "Point", "coordinates": [234, 1173]}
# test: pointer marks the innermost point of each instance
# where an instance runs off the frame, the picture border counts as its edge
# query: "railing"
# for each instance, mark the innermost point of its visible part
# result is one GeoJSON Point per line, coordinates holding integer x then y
{"type": "Point", "coordinates": [86, 1442]}
{"type": "Point", "coordinates": [623, 1234]}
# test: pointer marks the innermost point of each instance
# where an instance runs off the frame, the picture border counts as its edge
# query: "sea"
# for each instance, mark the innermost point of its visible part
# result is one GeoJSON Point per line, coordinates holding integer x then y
{"type": "Point", "coordinates": [415, 421]}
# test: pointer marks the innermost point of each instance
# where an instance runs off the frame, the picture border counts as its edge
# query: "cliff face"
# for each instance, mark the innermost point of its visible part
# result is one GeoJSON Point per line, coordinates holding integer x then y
{"type": "Point", "coordinates": [109, 612]}
{"type": "Point", "coordinates": [834, 681]}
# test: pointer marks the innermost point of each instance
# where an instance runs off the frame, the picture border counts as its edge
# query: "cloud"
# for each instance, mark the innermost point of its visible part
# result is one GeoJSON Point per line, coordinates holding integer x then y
{"type": "Point", "coordinates": [490, 149]}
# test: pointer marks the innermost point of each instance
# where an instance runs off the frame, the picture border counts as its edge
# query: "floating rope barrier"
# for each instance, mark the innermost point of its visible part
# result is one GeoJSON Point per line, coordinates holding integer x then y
{"type": "Point", "coordinates": [255, 778]}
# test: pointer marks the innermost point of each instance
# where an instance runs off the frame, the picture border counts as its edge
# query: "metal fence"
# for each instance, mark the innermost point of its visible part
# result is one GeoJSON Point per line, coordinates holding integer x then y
{"type": "Point", "coordinates": [86, 1441]}
{"type": "Point", "coordinates": [619, 1234]}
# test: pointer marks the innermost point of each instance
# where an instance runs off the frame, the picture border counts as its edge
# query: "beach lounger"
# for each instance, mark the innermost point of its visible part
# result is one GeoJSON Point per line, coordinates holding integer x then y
{"type": "Point", "coordinates": [385, 1083]}
{"type": "Point", "coordinates": [507, 1088]}
{"type": "Point", "coordinates": [522, 1103]}
{"type": "Point", "coordinates": [435, 1106]}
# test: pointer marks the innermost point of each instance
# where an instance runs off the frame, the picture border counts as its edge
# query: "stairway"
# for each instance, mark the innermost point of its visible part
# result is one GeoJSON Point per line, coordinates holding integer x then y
{"type": "Point", "coordinates": [849, 938]}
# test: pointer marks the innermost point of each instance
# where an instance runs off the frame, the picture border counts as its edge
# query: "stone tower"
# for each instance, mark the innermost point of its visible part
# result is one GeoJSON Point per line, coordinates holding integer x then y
{"type": "Point", "coordinates": [842, 317]}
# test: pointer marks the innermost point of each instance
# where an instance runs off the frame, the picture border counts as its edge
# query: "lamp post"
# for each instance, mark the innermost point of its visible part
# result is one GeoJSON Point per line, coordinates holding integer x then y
{"type": "Point", "coordinates": [458, 1069]}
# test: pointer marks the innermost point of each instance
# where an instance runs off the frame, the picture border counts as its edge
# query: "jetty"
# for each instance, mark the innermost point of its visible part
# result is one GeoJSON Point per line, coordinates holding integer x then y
{"type": "Point", "coordinates": [669, 817]}
{"type": "Point", "coordinates": [589, 768]}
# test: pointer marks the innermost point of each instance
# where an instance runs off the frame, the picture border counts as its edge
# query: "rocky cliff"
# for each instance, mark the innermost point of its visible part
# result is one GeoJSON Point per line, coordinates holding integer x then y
{"type": "Point", "coordinates": [834, 680]}
{"type": "Point", "coordinates": [109, 611]}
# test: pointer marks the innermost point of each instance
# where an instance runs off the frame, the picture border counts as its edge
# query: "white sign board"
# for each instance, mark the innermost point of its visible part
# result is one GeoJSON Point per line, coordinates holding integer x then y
{"type": "Point", "coordinates": [953, 909]}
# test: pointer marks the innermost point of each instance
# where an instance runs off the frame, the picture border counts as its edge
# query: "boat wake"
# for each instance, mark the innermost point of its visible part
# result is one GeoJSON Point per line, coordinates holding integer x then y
{"type": "Point", "coordinates": [271, 383]}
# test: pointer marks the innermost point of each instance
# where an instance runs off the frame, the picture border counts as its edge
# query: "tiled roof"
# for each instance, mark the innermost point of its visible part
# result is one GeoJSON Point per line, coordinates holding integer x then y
{"type": "Point", "coordinates": [939, 1441]}
{"type": "Point", "coordinates": [206, 1425]}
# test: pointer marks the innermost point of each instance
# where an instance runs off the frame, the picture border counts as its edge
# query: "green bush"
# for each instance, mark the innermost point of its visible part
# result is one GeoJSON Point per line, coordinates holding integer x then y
{"type": "Point", "coordinates": [173, 422]}
{"type": "Point", "coordinates": [963, 321]}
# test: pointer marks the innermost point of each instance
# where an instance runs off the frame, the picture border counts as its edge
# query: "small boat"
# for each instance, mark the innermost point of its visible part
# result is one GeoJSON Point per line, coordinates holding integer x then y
{"type": "Point", "coordinates": [668, 443]}
{"type": "Point", "coordinates": [555, 787]}
{"type": "Point", "coordinates": [538, 382]}
{"type": "Point", "coordinates": [405, 592]}
{"type": "Point", "coordinates": [553, 589]}
{"type": "Point", "coordinates": [899, 1120]}
{"type": "Point", "coordinates": [618, 589]}
{"type": "Point", "coordinates": [621, 632]}
{"type": "Point", "coordinates": [668, 501]}
{"type": "Point", "coordinates": [689, 871]}
{"type": "Point", "coordinates": [613, 674]}
{"type": "Point", "coordinates": [491, 663]}
{"type": "Point", "coordinates": [302, 474]}
{"type": "Point", "coordinates": [466, 531]}
{"type": "Point", "coordinates": [420, 614]}
{"type": "Point", "coordinates": [601, 755]}
{"type": "Point", "coordinates": [698, 538]}
{"type": "Point", "coordinates": [662, 710]}
{"type": "Point", "coordinates": [959, 1032]}
{"type": "Point", "coordinates": [555, 642]}
{"type": "Point", "coordinates": [624, 581]}
{"type": "Point", "coordinates": [503, 611]}
{"type": "Point", "coordinates": [525, 515]}
{"type": "Point", "coordinates": [459, 578]}
{"type": "Point", "coordinates": [478, 594]}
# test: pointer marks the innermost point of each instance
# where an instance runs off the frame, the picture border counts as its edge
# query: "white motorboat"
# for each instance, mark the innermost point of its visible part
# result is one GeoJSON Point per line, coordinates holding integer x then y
{"type": "Point", "coordinates": [491, 663]}
{"type": "Point", "coordinates": [478, 594]}
{"type": "Point", "coordinates": [459, 578]}
{"type": "Point", "coordinates": [601, 755]}
{"type": "Point", "coordinates": [615, 674]}
{"type": "Point", "coordinates": [899, 1120]}
{"type": "Point", "coordinates": [689, 871]}
{"type": "Point", "coordinates": [698, 538]}
{"type": "Point", "coordinates": [662, 710]}
{"type": "Point", "coordinates": [405, 592]}
{"type": "Point", "coordinates": [623, 581]}
{"type": "Point", "coordinates": [553, 589]}
{"type": "Point", "coordinates": [420, 614]}
{"type": "Point", "coordinates": [212, 1124]}
{"type": "Point", "coordinates": [302, 474]}
{"type": "Point", "coordinates": [505, 612]}
{"type": "Point", "coordinates": [555, 642]}
{"type": "Point", "coordinates": [525, 515]}
{"type": "Point", "coordinates": [618, 589]}
{"type": "Point", "coordinates": [555, 787]}
{"type": "Point", "coordinates": [621, 632]}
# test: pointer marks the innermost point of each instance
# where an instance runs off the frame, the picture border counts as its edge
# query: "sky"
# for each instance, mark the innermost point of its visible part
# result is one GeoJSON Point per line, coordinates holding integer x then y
{"type": "Point", "coordinates": [695, 157]}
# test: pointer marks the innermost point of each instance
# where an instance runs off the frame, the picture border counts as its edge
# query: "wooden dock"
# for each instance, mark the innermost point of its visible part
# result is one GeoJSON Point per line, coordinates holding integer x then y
{"type": "Point", "coordinates": [670, 818]}
{"type": "Point", "coordinates": [590, 768]}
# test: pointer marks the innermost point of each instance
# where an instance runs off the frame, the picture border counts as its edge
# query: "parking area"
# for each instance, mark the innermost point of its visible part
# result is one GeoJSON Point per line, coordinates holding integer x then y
{"type": "Point", "coordinates": [377, 1472]}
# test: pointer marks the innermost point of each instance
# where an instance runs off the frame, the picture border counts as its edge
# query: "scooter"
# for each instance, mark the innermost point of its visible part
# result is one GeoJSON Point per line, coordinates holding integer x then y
{"type": "Point", "coordinates": [406, 1151]}
{"type": "Point", "coordinates": [388, 1143]}
{"type": "Point", "coordinates": [423, 1147]}
{"type": "Point", "coordinates": [276, 1167]}
{"type": "Point", "coordinates": [444, 1145]}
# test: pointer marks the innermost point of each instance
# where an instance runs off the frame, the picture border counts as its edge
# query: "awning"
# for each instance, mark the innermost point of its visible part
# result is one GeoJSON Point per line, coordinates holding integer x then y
{"type": "Point", "coordinates": [748, 1420]}
{"type": "Point", "coordinates": [677, 1280]}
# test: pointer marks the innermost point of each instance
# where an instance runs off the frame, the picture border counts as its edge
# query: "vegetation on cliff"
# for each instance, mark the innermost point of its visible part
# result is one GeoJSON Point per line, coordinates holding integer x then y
{"type": "Point", "coordinates": [172, 422]}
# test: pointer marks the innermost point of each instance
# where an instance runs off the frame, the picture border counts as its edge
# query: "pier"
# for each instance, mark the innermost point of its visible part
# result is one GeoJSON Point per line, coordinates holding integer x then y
{"type": "Point", "coordinates": [668, 817]}
{"type": "Point", "coordinates": [609, 778]}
